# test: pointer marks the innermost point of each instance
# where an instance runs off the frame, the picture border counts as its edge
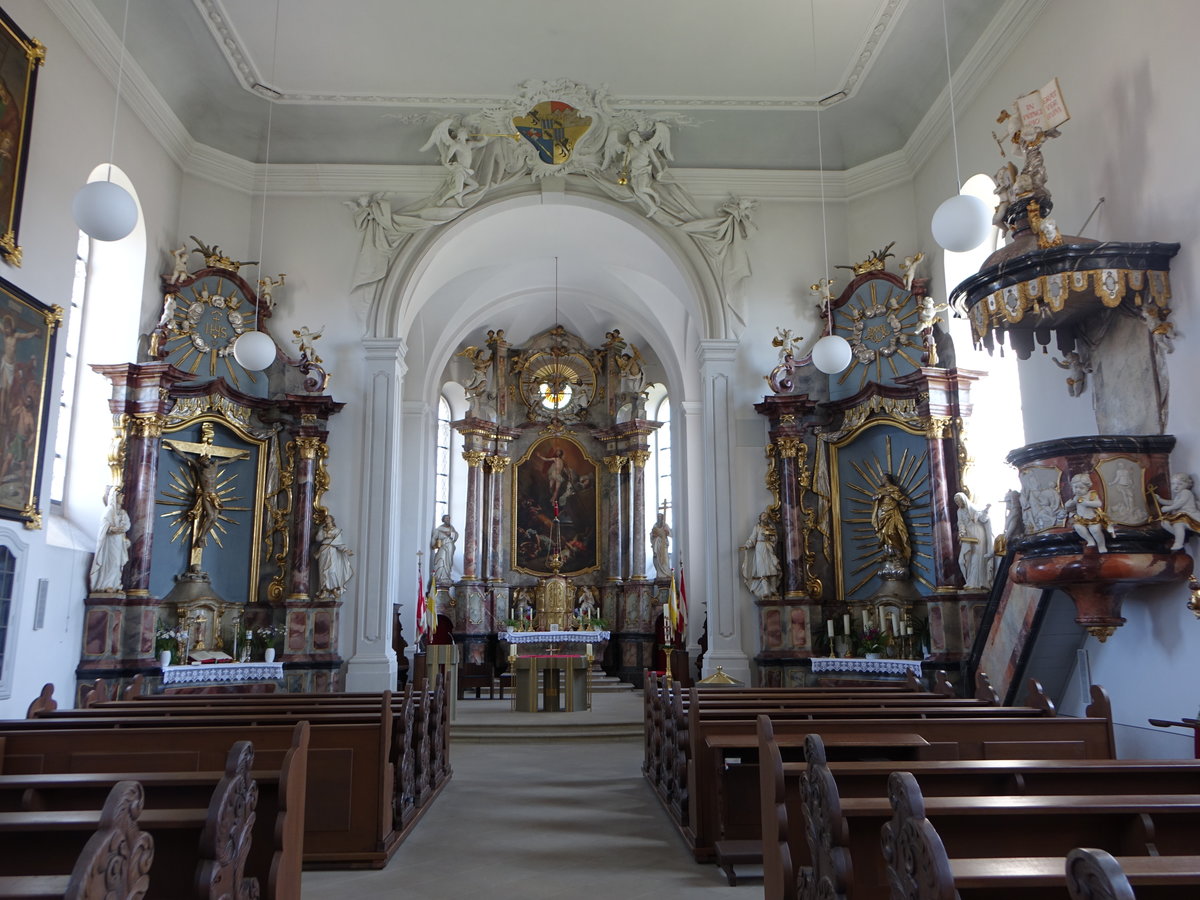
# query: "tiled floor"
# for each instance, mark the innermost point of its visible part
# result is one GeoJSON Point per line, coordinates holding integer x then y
{"type": "Point", "coordinates": [526, 821]}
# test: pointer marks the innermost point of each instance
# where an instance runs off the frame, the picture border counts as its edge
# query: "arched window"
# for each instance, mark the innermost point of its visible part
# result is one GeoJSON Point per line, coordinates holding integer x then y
{"type": "Point", "coordinates": [658, 467]}
{"type": "Point", "coordinates": [103, 327]}
{"type": "Point", "coordinates": [441, 494]}
{"type": "Point", "coordinates": [996, 426]}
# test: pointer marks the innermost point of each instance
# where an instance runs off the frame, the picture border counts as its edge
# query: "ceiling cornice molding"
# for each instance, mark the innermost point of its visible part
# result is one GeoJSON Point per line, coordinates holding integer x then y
{"type": "Point", "coordinates": [102, 46]}
{"type": "Point", "coordinates": [877, 175]}
{"type": "Point", "coordinates": [243, 69]}
{"type": "Point", "coordinates": [999, 39]}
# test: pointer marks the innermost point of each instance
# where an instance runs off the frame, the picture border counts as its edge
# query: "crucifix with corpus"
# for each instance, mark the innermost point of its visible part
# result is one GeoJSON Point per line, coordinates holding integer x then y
{"type": "Point", "coordinates": [203, 496]}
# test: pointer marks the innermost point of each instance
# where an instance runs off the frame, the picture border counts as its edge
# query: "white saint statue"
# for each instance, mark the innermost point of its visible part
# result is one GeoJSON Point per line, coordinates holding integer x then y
{"type": "Point", "coordinates": [333, 560]}
{"type": "Point", "coordinates": [112, 546]}
{"type": "Point", "coordinates": [976, 554]}
{"type": "Point", "coordinates": [760, 566]}
{"type": "Point", "coordinates": [445, 536]}
{"type": "Point", "coordinates": [660, 546]}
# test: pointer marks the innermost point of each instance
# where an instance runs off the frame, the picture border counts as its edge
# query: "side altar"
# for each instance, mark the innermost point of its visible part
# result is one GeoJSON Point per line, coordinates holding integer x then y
{"type": "Point", "coordinates": [216, 545]}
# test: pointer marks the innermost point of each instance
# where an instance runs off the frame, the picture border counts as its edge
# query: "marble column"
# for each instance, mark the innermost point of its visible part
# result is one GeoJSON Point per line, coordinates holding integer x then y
{"type": "Point", "coordinates": [722, 589]}
{"type": "Point", "coordinates": [309, 449]}
{"type": "Point", "coordinates": [372, 667]}
{"type": "Point", "coordinates": [497, 465]}
{"type": "Point", "coordinates": [471, 530]}
{"type": "Point", "coordinates": [615, 518]}
{"type": "Point", "coordinates": [141, 398]}
{"type": "Point", "coordinates": [638, 474]}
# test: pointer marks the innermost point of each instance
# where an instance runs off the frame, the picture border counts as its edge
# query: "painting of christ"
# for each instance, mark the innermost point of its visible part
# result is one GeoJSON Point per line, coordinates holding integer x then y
{"type": "Point", "coordinates": [555, 509]}
{"type": "Point", "coordinates": [27, 330]}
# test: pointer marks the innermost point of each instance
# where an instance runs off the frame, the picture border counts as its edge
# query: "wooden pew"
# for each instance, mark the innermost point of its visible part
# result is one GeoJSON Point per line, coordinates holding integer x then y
{"type": "Point", "coordinates": [722, 783]}
{"type": "Point", "coordinates": [277, 838]}
{"type": "Point", "coordinates": [842, 833]}
{"type": "Point", "coordinates": [114, 863]}
{"type": "Point", "coordinates": [198, 852]}
{"type": "Point", "coordinates": [665, 719]}
{"type": "Point", "coordinates": [419, 750]}
{"type": "Point", "coordinates": [919, 867]}
{"type": "Point", "coordinates": [349, 797]}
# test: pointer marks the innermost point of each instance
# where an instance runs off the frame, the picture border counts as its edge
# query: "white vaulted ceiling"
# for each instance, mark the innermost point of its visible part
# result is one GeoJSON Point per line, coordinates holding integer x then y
{"type": "Point", "coordinates": [364, 81]}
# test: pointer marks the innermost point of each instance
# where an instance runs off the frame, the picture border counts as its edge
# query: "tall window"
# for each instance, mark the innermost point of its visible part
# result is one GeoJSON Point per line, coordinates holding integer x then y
{"type": "Point", "coordinates": [441, 501]}
{"type": "Point", "coordinates": [996, 427]}
{"type": "Point", "coordinates": [8, 575]}
{"type": "Point", "coordinates": [103, 328]}
{"type": "Point", "coordinates": [66, 397]}
{"type": "Point", "coordinates": [658, 468]}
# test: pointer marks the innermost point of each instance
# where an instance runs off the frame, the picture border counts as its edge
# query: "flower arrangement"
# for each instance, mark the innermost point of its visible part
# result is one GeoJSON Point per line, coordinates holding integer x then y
{"type": "Point", "coordinates": [267, 636]}
{"type": "Point", "coordinates": [173, 639]}
{"type": "Point", "coordinates": [873, 640]}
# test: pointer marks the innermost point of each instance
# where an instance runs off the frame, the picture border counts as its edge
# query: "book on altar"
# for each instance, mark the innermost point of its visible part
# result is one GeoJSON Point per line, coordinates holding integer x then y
{"type": "Point", "coordinates": [209, 656]}
{"type": "Point", "coordinates": [1043, 109]}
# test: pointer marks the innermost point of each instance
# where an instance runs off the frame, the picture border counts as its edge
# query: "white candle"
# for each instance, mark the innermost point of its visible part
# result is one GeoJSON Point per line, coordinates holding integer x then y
{"type": "Point", "coordinates": [829, 623]}
{"type": "Point", "coordinates": [846, 622]}
{"type": "Point", "coordinates": [866, 620]}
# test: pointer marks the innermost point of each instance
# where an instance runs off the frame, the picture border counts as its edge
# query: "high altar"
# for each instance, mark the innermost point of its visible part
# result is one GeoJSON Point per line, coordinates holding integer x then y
{"type": "Point", "coordinates": [218, 548]}
{"type": "Point", "coordinates": [556, 443]}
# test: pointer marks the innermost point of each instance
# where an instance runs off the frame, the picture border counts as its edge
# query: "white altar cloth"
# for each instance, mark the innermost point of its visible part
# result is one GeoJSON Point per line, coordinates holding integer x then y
{"type": "Point", "coordinates": [223, 673]}
{"type": "Point", "coordinates": [553, 637]}
{"type": "Point", "coordinates": [870, 666]}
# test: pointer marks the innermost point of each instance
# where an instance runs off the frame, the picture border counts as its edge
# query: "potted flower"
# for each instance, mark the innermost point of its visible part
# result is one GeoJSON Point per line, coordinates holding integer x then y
{"type": "Point", "coordinates": [265, 640]}
{"type": "Point", "coordinates": [872, 642]}
{"type": "Point", "coordinates": [170, 644]}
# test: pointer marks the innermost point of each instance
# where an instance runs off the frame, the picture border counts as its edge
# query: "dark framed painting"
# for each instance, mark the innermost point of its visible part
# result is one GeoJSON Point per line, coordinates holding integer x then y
{"type": "Point", "coordinates": [555, 510]}
{"type": "Point", "coordinates": [28, 329]}
{"type": "Point", "coordinates": [20, 58]}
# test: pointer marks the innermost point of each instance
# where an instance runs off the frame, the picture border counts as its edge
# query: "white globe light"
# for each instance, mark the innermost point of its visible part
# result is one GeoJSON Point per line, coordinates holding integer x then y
{"type": "Point", "coordinates": [254, 351]}
{"type": "Point", "coordinates": [104, 211]}
{"type": "Point", "coordinates": [831, 354]}
{"type": "Point", "coordinates": [961, 223]}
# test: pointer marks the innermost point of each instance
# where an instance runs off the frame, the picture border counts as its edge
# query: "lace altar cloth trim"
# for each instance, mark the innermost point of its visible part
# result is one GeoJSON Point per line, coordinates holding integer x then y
{"type": "Point", "coordinates": [223, 673]}
{"type": "Point", "coordinates": [553, 637]}
{"type": "Point", "coordinates": [873, 666]}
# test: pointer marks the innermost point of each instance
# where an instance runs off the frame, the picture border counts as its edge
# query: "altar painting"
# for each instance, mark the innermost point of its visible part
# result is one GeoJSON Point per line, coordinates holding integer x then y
{"type": "Point", "coordinates": [27, 332]}
{"type": "Point", "coordinates": [555, 478]}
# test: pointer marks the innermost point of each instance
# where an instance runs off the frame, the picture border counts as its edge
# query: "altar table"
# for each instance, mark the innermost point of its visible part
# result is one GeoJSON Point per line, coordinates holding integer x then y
{"type": "Point", "coordinates": [223, 673]}
{"type": "Point", "coordinates": [563, 678]}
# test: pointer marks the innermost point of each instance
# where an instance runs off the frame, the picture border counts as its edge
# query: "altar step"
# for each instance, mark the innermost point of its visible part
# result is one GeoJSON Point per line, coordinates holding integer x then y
{"type": "Point", "coordinates": [601, 683]}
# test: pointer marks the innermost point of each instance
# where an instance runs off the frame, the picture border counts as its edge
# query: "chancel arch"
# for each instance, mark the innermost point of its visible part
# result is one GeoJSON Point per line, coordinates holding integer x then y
{"type": "Point", "coordinates": [493, 269]}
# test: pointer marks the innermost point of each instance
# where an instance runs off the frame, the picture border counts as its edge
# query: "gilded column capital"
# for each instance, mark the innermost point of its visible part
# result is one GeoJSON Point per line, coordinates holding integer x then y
{"type": "Point", "coordinates": [789, 447]}
{"type": "Point", "coordinates": [311, 447]}
{"type": "Point", "coordinates": [639, 458]}
{"type": "Point", "coordinates": [146, 425]}
{"type": "Point", "coordinates": [474, 458]}
{"type": "Point", "coordinates": [615, 463]}
{"type": "Point", "coordinates": [498, 463]}
{"type": "Point", "coordinates": [940, 427]}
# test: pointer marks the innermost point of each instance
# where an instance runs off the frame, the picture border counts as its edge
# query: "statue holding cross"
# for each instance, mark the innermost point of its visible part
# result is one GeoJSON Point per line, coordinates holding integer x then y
{"type": "Point", "coordinates": [204, 495]}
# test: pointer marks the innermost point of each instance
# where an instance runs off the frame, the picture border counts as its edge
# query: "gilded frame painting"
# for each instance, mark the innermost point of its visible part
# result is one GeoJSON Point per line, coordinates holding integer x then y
{"type": "Point", "coordinates": [28, 329]}
{"type": "Point", "coordinates": [20, 58]}
{"type": "Point", "coordinates": [556, 479]}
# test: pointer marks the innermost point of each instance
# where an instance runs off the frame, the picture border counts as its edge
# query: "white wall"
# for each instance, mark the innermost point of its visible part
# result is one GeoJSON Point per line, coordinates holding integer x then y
{"type": "Point", "coordinates": [1128, 72]}
{"type": "Point", "coordinates": [72, 131]}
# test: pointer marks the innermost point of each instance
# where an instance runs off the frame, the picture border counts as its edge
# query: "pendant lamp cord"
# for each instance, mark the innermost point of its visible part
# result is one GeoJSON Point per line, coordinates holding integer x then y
{"type": "Point", "coordinates": [950, 88]}
{"type": "Point", "coordinates": [262, 224]}
{"type": "Point", "coordinates": [812, 10]}
{"type": "Point", "coordinates": [112, 148]}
